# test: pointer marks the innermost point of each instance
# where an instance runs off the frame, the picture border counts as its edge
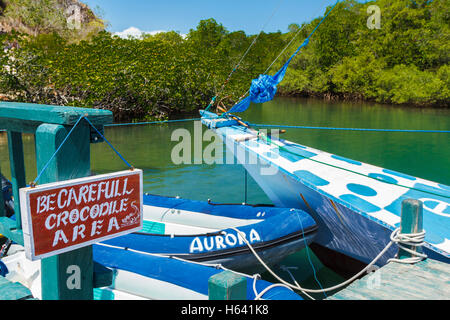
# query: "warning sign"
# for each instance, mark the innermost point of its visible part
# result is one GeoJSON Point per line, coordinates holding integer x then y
{"type": "Point", "coordinates": [63, 216]}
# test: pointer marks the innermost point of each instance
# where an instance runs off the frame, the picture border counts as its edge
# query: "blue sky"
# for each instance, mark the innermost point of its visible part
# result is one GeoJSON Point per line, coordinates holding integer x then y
{"type": "Point", "coordinates": [183, 15]}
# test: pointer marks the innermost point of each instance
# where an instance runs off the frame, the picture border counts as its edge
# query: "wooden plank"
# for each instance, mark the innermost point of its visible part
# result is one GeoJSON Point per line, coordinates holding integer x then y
{"type": "Point", "coordinates": [26, 117]}
{"type": "Point", "coordinates": [8, 229]}
{"type": "Point", "coordinates": [425, 280]}
{"type": "Point", "coordinates": [13, 291]}
{"type": "Point", "coordinates": [52, 114]}
{"type": "Point", "coordinates": [73, 159]}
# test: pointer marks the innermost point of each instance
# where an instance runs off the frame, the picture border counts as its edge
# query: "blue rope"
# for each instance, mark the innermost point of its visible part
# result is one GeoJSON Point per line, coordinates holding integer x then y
{"type": "Point", "coordinates": [150, 122]}
{"type": "Point", "coordinates": [309, 257]}
{"type": "Point", "coordinates": [349, 129]}
{"type": "Point", "coordinates": [57, 150]}
{"type": "Point", "coordinates": [112, 147]}
{"type": "Point", "coordinates": [64, 141]}
{"type": "Point", "coordinates": [245, 185]}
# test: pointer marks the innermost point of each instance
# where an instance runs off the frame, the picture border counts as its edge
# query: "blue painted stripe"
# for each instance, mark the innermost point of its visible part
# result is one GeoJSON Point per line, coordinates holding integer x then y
{"type": "Point", "coordinates": [383, 177]}
{"type": "Point", "coordinates": [294, 153]}
{"type": "Point", "coordinates": [399, 174]}
{"type": "Point", "coordinates": [357, 163]}
{"type": "Point", "coordinates": [359, 203]}
{"type": "Point", "coordinates": [361, 189]}
{"type": "Point", "coordinates": [311, 178]}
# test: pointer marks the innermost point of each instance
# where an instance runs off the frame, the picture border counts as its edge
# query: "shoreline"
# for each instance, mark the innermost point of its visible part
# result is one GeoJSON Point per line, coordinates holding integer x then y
{"type": "Point", "coordinates": [327, 97]}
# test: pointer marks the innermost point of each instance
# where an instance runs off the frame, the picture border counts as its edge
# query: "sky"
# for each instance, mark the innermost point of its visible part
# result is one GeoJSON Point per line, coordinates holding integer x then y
{"type": "Point", "coordinates": [151, 16]}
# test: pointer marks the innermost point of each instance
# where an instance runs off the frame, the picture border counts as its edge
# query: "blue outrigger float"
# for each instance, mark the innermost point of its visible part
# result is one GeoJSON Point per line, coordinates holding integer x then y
{"type": "Point", "coordinates": [182, 244]}
{"type": "Point", "coordinates": [207, 232]}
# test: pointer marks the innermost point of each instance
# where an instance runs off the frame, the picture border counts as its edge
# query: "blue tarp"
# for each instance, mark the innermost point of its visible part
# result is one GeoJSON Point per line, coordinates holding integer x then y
{"type": "Point", "coordinates": [264, 88]}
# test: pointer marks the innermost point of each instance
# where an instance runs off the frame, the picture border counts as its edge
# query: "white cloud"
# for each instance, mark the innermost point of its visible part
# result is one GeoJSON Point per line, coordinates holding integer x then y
{"type": "Point", "coordinates": [136, 33]}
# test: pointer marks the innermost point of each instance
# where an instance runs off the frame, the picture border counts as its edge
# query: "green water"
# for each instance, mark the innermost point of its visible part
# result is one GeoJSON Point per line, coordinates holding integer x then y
{"type": "Point", "coordinates": [149, 147]}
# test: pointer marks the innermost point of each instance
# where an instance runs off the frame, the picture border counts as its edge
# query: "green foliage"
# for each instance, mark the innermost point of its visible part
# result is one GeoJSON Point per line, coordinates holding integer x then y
{"type": "Point", "coordinates": [406, 61]}
{"type": "Point", "coordinates": [137, 79]}
{"type": "Point", "coordinates": [408, 84]}
{"type": "Point", "coordinates": [36, 17]}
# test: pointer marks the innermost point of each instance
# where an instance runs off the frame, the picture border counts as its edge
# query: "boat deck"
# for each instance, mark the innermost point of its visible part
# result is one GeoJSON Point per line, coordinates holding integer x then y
{"type": "Point", "coordinates": [357, 189]}
{"type": "Point", "coordinates": [426, 280]}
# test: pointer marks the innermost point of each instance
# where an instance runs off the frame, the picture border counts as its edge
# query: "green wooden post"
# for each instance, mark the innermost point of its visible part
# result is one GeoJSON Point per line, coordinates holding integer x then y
{"type": "Point", "coordinates": [227, 286]}
{"type": "Point", "coordinates": [72, 161]}
{"type": "Point", "coordinates": [18, 179]}
{"type": "Point", "coordinates": [411, 222]}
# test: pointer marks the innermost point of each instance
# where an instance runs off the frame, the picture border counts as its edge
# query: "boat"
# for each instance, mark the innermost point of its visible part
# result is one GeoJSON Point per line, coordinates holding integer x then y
{"type": "Point", "coordinates": [207, 232]}
{"type": "Point", "coordinates": [142, 276]}
{"type": "Point", "coordinates": [356, 205]}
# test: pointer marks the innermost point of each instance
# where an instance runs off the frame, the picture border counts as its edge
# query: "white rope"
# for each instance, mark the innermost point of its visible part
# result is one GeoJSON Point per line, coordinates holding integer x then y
{"type": "Point", "coordinates": [410, 239]}
{"type": "Point", "coordinates": [413, 238]}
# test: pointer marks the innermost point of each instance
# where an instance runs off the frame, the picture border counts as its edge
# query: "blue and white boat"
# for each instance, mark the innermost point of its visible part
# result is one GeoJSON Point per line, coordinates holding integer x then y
{"type": "Point", "coordinates": [202, 231]}
{"type": "Point", "coordinates": [356, 205]}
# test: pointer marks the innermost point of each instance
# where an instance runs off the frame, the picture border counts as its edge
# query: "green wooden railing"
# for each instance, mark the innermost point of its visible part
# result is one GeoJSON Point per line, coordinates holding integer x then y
{"type": "Point", "coordinates": [50, 125]}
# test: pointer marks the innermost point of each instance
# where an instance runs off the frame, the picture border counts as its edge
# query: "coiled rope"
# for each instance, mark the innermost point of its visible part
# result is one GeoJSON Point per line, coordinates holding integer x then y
{"type": "Point", "coordinates": [412, 239]}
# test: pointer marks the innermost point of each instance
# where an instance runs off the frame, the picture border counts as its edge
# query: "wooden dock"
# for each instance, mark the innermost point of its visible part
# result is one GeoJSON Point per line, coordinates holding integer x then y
{"type": "Point", "coordinates": [425, 280]}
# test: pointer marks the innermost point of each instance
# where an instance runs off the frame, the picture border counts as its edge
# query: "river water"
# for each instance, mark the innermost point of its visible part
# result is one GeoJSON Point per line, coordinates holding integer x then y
{"type": "Point", "coordinates": [150, 147]}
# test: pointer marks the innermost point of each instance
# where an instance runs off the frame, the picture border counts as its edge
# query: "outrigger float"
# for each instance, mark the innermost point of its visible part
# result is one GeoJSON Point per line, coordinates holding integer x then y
{"type": "Point", "coordinates": [357, 206]}
{"type": "Point", "coordinates": [208, 232]}
{"type": "Point", "coordinates": [142, 276]}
